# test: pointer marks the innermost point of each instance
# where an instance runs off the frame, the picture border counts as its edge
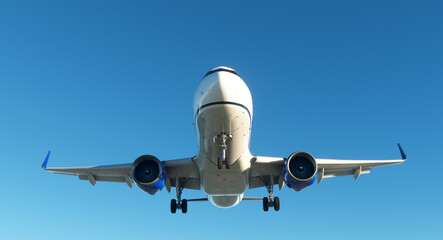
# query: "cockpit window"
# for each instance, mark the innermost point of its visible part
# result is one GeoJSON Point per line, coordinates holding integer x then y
{"type": "Point", "coordinates": [221, 70]}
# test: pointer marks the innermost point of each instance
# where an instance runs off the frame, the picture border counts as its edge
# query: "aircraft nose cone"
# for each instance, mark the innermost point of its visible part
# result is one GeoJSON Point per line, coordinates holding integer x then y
{"type": "Point", "coordinates": [222, 85]}
{"type": "Point", "coordinates": [221, 69]}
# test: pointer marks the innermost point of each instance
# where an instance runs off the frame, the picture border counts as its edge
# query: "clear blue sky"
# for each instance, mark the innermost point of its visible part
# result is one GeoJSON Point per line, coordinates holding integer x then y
{"type": "Point", "coordinates": [103, 82]}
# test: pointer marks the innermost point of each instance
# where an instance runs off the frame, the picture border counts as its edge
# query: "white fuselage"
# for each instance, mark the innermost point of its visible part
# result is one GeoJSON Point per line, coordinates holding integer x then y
{"type": "Point", "coordinates": [223, 109]}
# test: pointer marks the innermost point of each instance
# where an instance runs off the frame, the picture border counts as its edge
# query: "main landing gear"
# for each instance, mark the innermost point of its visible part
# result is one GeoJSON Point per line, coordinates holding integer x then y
{"type": "Point", "coordinates": [183, 205]}
{"type": "Point", "coordinates": [179, 203]}
{"type": "Point", "coordinates": [270, 201]}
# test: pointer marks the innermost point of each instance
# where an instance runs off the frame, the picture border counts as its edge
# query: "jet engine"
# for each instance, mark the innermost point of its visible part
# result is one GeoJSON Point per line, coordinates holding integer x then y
{"type": "Point", "coordinates": [149, 174]}
{"type": "Point", "coordinates": [299, 171]}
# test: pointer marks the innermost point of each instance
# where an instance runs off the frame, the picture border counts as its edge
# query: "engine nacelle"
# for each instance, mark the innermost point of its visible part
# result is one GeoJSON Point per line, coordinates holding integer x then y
{"type": "Point", "coordinates": [299, 171]}
{"type": "Point", "coordinates": [149, 174]}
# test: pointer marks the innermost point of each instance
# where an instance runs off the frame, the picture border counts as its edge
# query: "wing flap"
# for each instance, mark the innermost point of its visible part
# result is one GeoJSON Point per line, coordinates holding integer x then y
{"type": "Point", "coordinates": [184, 170]}
{"type": "Point", "coordinates": [265, 171]}
{"type": "Point", "coordinates": [105, 170]}
{"type": "Point", "coordinates": [344, 172]}
{"type": "Point", "coordinates": [256, 182]}
{"type": "Point", "coordinates": [104, 178]}
{"type": "Point", "coordinates": [343, 164]}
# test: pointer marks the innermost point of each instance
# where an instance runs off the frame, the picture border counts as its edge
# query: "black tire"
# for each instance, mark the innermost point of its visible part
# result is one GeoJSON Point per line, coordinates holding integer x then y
{"type": "Point", "coordinates": [219, 163]}
{"type": "Point", "coordinates": [173, 205]}
{"type": "Point", "coordinates": [265, 204]}
{"type": "Point", "coordinates": [228, 164]}
{"type": "Point", "coordinates": [184, 206]}
{"type": "Point", "coordinates": [276, 203]}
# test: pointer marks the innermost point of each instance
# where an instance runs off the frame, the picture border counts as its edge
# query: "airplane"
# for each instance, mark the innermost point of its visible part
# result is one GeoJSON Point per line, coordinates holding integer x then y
{"type": "Point", "coordinates": [224, 167]}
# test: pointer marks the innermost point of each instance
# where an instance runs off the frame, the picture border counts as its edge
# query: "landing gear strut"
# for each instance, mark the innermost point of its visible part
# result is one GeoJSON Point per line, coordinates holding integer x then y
{"type": "Point", "coordinates": [270, 201]}
{"type": "Point", "coordinates": [179, 203]}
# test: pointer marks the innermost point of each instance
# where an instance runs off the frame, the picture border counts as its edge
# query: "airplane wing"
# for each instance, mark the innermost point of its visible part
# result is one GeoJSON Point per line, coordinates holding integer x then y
{"type": "Point", "coordinates": [175, 169]}
{"type": "Point", "coordinates": [266, 171]}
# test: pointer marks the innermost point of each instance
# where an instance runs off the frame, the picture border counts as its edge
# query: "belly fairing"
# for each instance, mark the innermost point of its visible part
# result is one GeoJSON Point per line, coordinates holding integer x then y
{"type": "Point", "coordinates": [225, 201]}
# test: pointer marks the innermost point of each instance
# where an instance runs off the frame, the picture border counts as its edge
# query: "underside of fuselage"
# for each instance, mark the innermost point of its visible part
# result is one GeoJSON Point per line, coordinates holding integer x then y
{"type": "Point", "coordinates": [223, 109]}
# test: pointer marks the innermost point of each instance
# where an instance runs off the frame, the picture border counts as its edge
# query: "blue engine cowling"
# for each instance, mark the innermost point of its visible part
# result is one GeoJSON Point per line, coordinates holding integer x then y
{"type": "Point", "coordinates": [299, 171]}
{"type": "Point", "coordinates": [149, 174]}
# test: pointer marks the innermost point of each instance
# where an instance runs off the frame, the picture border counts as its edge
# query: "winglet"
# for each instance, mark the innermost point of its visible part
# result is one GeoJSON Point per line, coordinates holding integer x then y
{"type": "Point", "coordinates": [403, 154]}
{"type": "Point", "coordinates": [46, 160]}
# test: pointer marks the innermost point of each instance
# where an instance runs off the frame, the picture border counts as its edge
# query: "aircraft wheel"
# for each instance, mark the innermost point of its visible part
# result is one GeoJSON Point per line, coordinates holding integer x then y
{"type": "Point", "coordinates": [276, 203]}
{"type": "Point", "coordinates": [184, 206]}
{"type": "Point", "coordinates": [173, 205]}
{"type": "Point", "coordinates": [220, 163]}
{"type": "Point", "coordinates": [265, 204]}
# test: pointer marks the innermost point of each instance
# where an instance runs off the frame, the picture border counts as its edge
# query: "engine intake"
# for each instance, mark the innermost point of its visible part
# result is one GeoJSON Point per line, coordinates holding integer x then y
{"type": "Point", "coordinates": [149, 174]}
{"type": "Point", "coordinates": [299, 171]}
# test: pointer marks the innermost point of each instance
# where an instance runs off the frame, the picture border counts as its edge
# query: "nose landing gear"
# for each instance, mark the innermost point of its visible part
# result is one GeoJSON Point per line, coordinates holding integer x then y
{"type": "Point", "coordinates": [224, 138]}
